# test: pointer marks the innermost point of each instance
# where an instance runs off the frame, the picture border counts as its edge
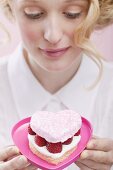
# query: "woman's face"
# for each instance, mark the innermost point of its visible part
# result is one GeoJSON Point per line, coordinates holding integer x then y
{"type": "Point", "coordinates": [47, 29]}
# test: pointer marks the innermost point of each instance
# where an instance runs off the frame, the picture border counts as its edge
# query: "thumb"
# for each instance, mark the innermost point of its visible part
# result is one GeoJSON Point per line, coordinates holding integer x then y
{"type": "Point", "coordinates": [8, 152]}
{"type": "Point", "coordinates": [18, 162]}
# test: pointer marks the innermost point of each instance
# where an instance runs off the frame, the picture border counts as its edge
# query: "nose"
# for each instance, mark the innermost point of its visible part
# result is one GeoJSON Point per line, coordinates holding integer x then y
{"type": "Point", "coordinates": [53, 32]}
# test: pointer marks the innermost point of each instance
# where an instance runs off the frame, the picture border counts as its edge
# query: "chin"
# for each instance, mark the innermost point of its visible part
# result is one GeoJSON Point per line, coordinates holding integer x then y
{"type": "Point", "coordinates": [57, 67]}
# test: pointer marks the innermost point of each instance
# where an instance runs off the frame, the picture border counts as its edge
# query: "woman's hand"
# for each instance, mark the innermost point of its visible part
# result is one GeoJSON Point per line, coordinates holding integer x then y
{"type": "Point", "coordinates": [98, 155]}
{"type": "Point", "coordinates": [10, 159]}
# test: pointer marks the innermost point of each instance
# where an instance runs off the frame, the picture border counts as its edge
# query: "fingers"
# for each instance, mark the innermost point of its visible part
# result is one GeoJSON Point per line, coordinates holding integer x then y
{"type": "Point", "coordinates": [100, 144]}
{"type": "Point", "coordinates": [30, 167]}
{"type": "Point", "coordinates": [94, 165]}
{"type": "Point", "coordinates": [8, 152]}
{"type": "Point", "coordinates": [18, 162]}
{"type": "Point", "coordinates": [9, 160]}
{"type": "Point", "coordinates": [82, 166]}
{"type": "Point", "coordinates": [97, 156]}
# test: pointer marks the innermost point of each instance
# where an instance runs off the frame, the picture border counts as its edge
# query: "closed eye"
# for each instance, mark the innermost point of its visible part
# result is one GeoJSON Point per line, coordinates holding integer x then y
{"type": "Point", "coordinates": [34, 15]}
{"type": "Point", "coordinates": [72, 15]}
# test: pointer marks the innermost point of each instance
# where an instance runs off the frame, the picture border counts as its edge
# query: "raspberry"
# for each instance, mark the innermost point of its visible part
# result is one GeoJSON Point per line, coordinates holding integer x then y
{"type": "Point", "coordinates": [68, 141]}
{"type": "Point", "coordinates": [78, 133]}
{"type": "Point", "coordinates": [30, 131]}
{"type": "Point", "coordinates": [40, 141]}
{"type": "Point", "coordinates": [54, 147]}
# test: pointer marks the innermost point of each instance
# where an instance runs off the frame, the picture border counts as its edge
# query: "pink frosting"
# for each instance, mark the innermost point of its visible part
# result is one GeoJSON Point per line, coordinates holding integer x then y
{"type": "Point", "coordinates": [56, 127]}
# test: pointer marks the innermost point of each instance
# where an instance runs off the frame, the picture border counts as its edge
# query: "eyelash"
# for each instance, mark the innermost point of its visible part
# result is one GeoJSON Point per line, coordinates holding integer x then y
{"type": "Point", "coordinates": [68, 15]}
{"type": "Point", "coordinates": [34, 16]}
{"type": "Point", "coordinates": [72, 15]}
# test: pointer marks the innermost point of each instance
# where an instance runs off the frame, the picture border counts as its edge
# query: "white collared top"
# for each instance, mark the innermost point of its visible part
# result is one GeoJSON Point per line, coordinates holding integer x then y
{"type": "Point", "coordinates": [21, 95]}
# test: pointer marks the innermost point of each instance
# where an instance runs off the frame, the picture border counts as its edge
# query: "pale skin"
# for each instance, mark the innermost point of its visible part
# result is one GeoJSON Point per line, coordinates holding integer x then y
{"type": "Point", "coordinates": [98, 155]}
{"type": "Point", "coordinates": [10, 159]}
{"type": "Point", "coordinates": [50, 24]}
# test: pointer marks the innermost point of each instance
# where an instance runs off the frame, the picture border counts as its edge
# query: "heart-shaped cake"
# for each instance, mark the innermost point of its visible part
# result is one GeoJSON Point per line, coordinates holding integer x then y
{"type": "Point", "coordinates": [54, 136]}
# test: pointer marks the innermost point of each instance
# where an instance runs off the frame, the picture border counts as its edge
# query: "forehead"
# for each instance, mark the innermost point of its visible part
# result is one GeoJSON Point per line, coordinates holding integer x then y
{"type": "Point", "coordinates": [53, 1]}
{"type": "Point", "coordinates": [51, 4]}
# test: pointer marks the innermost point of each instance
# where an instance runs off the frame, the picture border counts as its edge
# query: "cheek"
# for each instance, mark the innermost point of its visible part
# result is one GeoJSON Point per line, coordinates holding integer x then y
{"type": "Point", "coordinates": [70, 32]}
{"type": "Point", "coordinates": [72, 38]}
{"type": "Point", "coordinates": [29, 34]}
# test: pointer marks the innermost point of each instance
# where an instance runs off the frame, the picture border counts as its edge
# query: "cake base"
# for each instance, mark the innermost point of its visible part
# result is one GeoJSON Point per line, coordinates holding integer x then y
{"type": "Point", "coordinates": [48, 158]}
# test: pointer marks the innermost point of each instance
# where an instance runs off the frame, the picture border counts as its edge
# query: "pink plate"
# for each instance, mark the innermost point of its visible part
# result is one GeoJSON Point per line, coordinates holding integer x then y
{"type": "Point", "coordinates": [19, 135]}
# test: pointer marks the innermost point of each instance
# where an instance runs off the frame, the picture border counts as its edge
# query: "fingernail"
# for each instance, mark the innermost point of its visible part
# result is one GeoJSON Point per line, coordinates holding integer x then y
{"type": "Point", "coordinates": [23, 159]}
{"type": "Point", "coordinates": [91, 145]}
{"type": "Point", "coordinates": [16, 149]}
{"type": "Point", "coordinates": [84, 155]}
{"type": "Point", "coordinates": [13, 149]}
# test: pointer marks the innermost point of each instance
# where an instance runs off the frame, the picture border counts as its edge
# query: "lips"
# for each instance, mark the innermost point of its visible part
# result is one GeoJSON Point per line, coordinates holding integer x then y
{"type": "Point", "coordinates": [55, 52]}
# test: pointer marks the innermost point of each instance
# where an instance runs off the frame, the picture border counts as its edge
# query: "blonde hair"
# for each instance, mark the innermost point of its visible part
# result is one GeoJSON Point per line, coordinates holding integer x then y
{"type": "Point", "coordinates": [83, 33]}
{"type": "Point", "coordinates": [100, 14]}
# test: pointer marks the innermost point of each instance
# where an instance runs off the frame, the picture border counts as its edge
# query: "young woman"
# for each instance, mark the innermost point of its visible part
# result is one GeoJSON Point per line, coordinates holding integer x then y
{"type": "Point", "coordinates": [54, 68]}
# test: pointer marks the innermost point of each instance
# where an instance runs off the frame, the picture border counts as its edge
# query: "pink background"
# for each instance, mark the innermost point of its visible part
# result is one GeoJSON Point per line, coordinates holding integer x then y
{"type": "Point", "coordinates": [103, 39]}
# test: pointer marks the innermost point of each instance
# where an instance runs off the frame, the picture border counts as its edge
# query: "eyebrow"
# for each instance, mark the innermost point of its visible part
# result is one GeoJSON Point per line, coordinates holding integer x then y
{"type": "Point", "coordinates": [31, 0]}
{"type": "Point", "coordinates": [66, 1]}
